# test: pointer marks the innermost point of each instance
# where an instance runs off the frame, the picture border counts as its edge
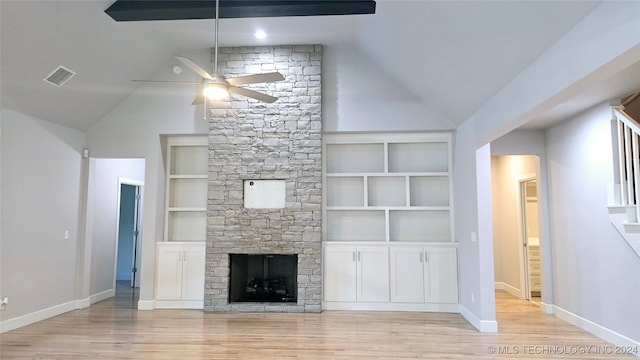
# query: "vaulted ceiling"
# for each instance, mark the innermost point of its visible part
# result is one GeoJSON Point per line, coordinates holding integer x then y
{"type": "Point", "coordinates": [453, 55]}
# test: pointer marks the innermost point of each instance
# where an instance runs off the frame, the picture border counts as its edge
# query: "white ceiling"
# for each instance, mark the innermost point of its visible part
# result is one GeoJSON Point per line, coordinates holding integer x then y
{"type": "Point", "coordinates": [453, 55]}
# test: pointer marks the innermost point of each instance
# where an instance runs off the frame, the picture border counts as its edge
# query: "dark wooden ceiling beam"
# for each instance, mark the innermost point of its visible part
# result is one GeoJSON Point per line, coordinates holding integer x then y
{"type": "Point", "coordinates": [145, 10]}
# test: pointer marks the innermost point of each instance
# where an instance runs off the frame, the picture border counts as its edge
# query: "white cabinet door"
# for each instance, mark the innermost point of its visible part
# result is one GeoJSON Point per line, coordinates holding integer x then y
{"type": "Point", "coordinates": [407, 274]}
{"type": "Point", "coordinates": [193, 272]}
{"type": "Point", "coordinates": [169, 272]}
{"type": "Point", "coordinates": [340, 273]}
{"type": "Point", "coordinates": [373, 273]}
{"type": "Point", "coordinates": [180, 271]}
{"type": "Point", "coordinates": [441, 275]}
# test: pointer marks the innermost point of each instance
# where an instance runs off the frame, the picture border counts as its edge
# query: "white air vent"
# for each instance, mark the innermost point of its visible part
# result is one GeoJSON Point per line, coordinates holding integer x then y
{"type": "Point", "coordinates": [59, 76]}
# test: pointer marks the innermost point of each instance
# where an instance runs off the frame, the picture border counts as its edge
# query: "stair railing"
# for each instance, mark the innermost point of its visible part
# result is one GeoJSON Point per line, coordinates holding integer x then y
{"type": "Point", "coordinates": [628, 134]}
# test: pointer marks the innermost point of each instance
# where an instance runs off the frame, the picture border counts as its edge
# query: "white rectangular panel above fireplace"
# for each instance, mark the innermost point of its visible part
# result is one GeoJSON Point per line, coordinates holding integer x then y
{"type": "Point", "coordinates": [277, 144]}
{"type": "Point", "coordinates": [264, 194]}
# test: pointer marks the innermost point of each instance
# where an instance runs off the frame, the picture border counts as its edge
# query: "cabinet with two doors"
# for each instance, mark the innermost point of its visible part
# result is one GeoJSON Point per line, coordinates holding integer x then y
{"type": "Point", "coordinates": [387, 229]}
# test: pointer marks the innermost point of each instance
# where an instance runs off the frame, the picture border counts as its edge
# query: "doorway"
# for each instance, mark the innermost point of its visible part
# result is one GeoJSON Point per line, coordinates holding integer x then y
{"type": "Point", "coordinates": [530, 239]}
{"type": "Point", "coordinates": [127, 277]}
{"type": "Point", "coordinates": [516, 229]}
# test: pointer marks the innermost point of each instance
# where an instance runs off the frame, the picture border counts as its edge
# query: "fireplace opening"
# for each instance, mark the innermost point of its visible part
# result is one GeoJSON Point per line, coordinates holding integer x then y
{"type": "Point", "coordinates": [263, 278]}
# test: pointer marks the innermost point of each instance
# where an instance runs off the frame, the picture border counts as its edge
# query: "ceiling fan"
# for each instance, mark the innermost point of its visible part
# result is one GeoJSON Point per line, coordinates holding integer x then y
{"type": "Point", "coordinates": [216, 86]}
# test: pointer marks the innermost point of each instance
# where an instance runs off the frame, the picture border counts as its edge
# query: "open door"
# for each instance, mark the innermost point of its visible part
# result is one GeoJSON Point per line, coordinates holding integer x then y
{"type": "Point", "coordinates": [129, 231]}
{"type": "Point", "coordinates": [530, 238]}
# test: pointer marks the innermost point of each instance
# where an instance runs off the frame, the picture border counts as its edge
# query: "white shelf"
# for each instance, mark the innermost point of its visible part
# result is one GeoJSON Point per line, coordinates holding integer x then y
{"type": "Point", "coordinates": [345, 191]}
{"type": "Point", "coordinates": [418, 225]}
{"type": "Point", "coordinates": [419, 157]}
{"type": "Point", "coordinates": [356, 225]}
{"type": "Point", "coordinates": [186, 189]}
{"type": "Point", "coordinates": [188, 176]}
{"type": "Point", "coordinates": [187, 226]}
{"type": "Point", "coordinates": [355, 158]}
{"type": "Point", "coordinates": [386, 191]}
{"type": "Point", "coordinates": [387, 187]}
{"type": "Point", "coordinates": [188, 159]}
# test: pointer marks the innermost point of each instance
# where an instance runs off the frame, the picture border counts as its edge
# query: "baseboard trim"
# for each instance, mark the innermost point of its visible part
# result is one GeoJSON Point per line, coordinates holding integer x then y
{"type": "Point", "coordinates": [382, 306]}
{"type": "Point", "coordinates": [499, 285]}
{"type": "Point", "coordinates": [546, 308]}
{"type": "Point", "coordinates": [36, 316]}
{"type": "Point", "coordinates": [596, 329]}
{"type": "Point", "coordinates": [83, 303]}
{"type": "Point", "coordinates": [146, 304]}
{"type": "Point", "coordinates": [178, 304]}
{"type": "Point", "coordinates": [102, 296]}
{"type": "Point", "coordinates": [485, 326]}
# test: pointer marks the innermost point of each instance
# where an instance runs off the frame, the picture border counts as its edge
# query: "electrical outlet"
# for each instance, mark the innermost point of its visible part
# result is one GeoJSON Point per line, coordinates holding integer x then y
{"type": "Point", "coordinates": [66, 234]}
{"type": "Point", "coordinates": [3, 302]}
{"type": "Point", "coordinates": [473, 297]}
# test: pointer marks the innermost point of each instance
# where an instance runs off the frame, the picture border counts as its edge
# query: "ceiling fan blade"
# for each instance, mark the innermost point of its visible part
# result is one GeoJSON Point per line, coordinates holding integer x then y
{"type": "Point", "coordinates": [195, 67]}
{"type": "Point", "coordinates": [198, 100]}
{"type": "Point", "coordinates": [168, 82]}
{"type": "Point", "coordinates": [252, 94]}
{"type": "Point", "coordinates": [257, 78]}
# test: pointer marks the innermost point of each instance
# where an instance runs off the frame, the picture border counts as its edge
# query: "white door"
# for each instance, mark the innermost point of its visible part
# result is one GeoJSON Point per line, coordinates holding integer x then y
{"type": "Point", "coordinates": [193, 272]}
{"type": "Point", "coordinates": [169, 272]}
{"type": "Point", "coordinates": [373, 273]}
{"type": "Point", "coordinates": [441, 275]}
{"type": "Point", "coordinates": [340, 273]}
{"type": "Point", "coordinates": [407, 274]}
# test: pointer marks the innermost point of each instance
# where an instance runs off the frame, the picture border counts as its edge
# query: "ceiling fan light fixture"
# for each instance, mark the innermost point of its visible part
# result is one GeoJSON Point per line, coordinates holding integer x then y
{"type": "Point", "coordinates": [216, 92]}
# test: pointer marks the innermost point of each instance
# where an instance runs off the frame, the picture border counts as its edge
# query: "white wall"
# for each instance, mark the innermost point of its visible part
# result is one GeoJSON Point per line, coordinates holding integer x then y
{"type": "Point", "coordinates": [595, 272]}
{"type": "Point", "coordinates": [103, 214]}
{"type": "Point", "coordinates": [359, 96]}
{"type": "Point", "coordinates": [41, 170]}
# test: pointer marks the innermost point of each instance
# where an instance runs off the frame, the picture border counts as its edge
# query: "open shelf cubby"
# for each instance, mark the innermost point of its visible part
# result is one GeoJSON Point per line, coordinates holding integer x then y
{"type": "Point", "coordinates": [387, 187]}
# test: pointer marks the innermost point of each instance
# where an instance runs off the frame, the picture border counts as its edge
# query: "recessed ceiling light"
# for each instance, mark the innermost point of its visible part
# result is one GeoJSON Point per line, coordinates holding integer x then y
{"type": "Point", "coordinates": [260, 34]}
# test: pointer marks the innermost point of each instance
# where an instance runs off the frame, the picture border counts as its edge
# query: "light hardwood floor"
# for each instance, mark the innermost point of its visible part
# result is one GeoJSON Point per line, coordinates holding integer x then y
{"type": "Point", "coordinates": [112, 329]}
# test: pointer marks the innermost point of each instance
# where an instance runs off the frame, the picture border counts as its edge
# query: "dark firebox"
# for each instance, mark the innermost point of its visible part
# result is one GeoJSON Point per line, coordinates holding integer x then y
{"type": "Point", "coordinates": [263, 278]}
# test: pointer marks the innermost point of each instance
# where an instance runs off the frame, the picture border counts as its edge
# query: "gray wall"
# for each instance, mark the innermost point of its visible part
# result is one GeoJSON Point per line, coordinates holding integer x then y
{"type": "Point", "coordinates": [595, 272]}
{"type": "Point", "coordinates": [41, 169]}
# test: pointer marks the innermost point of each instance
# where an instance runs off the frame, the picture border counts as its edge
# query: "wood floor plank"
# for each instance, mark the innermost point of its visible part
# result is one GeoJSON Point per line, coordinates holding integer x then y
{"type": "Point", "coordinates": [113, 329]}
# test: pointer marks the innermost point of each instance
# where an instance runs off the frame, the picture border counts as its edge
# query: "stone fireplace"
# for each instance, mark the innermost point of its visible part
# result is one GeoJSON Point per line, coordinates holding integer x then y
{"type": "Point", "coordinates": [249, 140]}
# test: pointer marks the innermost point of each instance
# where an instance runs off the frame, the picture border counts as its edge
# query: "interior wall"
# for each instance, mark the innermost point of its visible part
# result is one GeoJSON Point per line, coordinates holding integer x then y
{"type": "Point", "coordinates": [596, 273]}
{"type": "Point", "coordinates": [475, 256]}
{"type": "Point", "coordinates": [41, 167]}
{"type": "Point", "coordinates": [103, 192]}
{"type": "Point", "coordinates": [507, 171]}
{"type": "Point", "coordinates": [357, 95]}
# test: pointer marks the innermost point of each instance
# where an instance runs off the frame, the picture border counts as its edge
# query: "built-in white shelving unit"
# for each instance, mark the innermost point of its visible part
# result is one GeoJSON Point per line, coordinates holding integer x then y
{"type": "Point", "coordinates": [387, 229]}
{"type": "Point", "coordinates": [180, 256]}
{"type": "Point", "coordinates": [388, 187]}
{"type": "Point", "coordinates": [186, 196]}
